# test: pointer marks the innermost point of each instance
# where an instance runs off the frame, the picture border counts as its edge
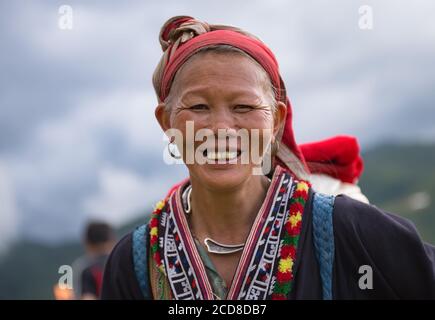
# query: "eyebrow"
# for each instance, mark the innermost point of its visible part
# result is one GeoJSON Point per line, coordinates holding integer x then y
{"type": "Point", "coordinates": [203, 92]}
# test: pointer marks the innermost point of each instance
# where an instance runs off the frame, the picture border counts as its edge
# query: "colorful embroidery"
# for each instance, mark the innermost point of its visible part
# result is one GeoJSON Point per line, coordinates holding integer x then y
{"type": "Point", "coordinates": [289, 243]}
{"type": "Point", "coordinates": [266, 267]}
{"type": "Point", "coordinates": [154, 242]}
{"type": "Point", "coordinates": [185, 278]}
{"type": "Point", "coordinates": [260, 279]}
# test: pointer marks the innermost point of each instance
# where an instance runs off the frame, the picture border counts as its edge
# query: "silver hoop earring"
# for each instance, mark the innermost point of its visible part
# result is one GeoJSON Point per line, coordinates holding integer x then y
{"type": "Point", "coordinates": [173, 155]}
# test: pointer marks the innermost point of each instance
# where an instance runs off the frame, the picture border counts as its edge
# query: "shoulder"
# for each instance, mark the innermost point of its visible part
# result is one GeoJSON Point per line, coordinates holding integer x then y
{"type": "Point", "coordinates": [368, 221]}
{"type": "Point", "coordinates": [380, 232]}
{"type": "Point", "coordinates": [122, 251]}
{"type": "Point", "coordinates": [391, 245]}
{"type": "Point", "coordinates": [120, 259]}
{"type": "Point", "coordinates": [119, 280]}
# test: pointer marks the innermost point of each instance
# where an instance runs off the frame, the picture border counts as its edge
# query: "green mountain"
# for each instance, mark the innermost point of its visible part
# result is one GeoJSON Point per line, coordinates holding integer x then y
{"type": "Point", "coordinates": [401, 179]}
{"type": "Point", "coordinates": [397, 178]}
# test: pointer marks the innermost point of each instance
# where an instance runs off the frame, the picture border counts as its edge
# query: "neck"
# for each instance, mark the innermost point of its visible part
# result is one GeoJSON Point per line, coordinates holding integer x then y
{"type": "Point", "coordinates": [227, 215]}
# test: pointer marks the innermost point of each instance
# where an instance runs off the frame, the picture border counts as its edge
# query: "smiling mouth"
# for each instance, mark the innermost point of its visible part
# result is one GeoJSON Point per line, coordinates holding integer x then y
{"type": "Point", "coordinates": [221, 155]}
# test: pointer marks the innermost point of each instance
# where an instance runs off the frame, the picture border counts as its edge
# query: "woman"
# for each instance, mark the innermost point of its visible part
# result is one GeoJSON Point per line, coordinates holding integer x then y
{"type": "Point", "coordinates": [229, 232]}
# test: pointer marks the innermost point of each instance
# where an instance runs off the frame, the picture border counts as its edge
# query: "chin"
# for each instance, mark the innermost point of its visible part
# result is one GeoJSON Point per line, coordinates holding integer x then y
{"type": "Point", "coordinates": [221, 177]}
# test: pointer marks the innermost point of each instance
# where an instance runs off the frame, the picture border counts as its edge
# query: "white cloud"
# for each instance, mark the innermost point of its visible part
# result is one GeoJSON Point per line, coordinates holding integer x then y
{"type": "Point", "coordinates": [71, 172]}
{"type": "Point", "coordinates": [318, 113]}
{"type": "Point", "coordinates": [129, 112]}
{"type": "Point", "coordinates": [122, 195]}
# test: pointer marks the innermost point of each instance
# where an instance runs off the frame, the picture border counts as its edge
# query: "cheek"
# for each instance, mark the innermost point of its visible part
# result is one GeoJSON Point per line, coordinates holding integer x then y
{"type": "Point", "coordinates": [178, 120]}
{"type": "Point", "coordinates": [262, 121]}
{"type": "Point", "coordinates": [257, 119]}
{"type": "Point", "coordinates": [183, 121]}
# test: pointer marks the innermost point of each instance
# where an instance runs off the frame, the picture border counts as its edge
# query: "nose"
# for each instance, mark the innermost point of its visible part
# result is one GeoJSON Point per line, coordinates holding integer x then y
{"type": "Point", "coordinates": [221, 118]}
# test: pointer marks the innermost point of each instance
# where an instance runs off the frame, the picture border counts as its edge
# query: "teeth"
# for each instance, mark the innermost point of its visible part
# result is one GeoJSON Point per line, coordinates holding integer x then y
{"type": "Point", "coordinates": [231, 155]}
{"type": "Point", "coordinates": [225, 155]}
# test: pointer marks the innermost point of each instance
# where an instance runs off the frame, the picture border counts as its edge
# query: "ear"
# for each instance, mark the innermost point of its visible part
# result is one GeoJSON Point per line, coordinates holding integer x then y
{"type": "Point", "coordinates": [279, 117]}
{"type": "Point", "coordinates": [163, 116]}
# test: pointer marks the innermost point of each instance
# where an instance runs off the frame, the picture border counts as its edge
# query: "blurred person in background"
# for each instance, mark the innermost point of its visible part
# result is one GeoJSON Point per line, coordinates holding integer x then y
{"type": "Point", "coordinates": [98, 240]}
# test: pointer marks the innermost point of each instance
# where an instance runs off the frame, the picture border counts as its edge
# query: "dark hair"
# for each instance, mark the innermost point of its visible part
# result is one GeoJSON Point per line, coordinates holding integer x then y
{"type": "Point", "coordinates": [98, 232]}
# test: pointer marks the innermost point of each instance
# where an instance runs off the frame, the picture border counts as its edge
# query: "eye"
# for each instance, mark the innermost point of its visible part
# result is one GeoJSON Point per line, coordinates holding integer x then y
{"type": "Point", "coordinates": [198, 107]}
{"type": "Point", "coordinates": [243, 108]}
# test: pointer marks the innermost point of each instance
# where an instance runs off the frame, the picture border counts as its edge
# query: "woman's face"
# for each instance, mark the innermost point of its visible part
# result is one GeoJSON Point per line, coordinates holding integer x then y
{"type": "Point", "coordinates": [222, 91]}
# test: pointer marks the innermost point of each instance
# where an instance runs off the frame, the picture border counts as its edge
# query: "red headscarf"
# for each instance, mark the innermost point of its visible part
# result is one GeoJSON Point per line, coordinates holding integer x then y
{"type": "Point", "coordinates": [183, 36]}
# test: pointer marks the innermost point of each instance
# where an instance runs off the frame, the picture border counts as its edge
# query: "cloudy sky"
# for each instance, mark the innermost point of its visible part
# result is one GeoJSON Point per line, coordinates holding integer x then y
{"type": "Point", "coordinates": [78, 138]}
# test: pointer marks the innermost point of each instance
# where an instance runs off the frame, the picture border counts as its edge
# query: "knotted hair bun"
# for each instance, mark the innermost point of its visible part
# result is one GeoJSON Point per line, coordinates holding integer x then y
{"type": "Point", "coordinates": [180, 29]}
{"type": "Point", "coordinates": [177, 31]}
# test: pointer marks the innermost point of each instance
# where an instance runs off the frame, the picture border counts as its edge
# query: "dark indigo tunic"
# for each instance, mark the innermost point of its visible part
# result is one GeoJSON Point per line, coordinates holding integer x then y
{"type": "Point", "coordinates": [403, 266]}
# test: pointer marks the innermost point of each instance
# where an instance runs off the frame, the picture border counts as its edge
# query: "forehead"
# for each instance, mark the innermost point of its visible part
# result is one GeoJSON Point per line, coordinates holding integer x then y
{"type": "Point", "coordinates": [225, 73]}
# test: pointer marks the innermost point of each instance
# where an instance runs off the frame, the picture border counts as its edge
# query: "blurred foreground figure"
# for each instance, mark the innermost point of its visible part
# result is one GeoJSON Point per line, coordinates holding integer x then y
{"type": "Point", "coordinates": [98, 239]}
{"type": "Point", "coordinates": [60, 293]}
